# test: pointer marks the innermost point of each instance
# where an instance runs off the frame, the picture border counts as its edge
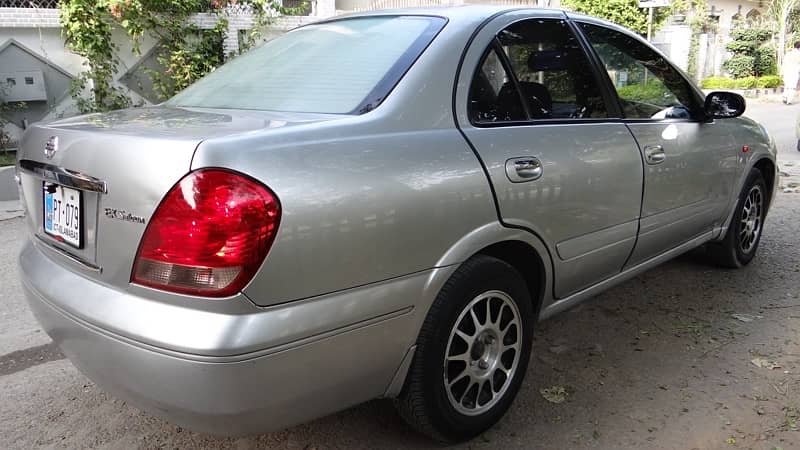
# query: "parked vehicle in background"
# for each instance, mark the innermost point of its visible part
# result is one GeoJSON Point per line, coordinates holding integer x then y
{"type": "Point", "coordinates": [379, 205]}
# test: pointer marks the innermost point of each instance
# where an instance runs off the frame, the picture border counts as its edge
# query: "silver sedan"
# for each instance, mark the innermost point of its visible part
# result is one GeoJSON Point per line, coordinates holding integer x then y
{"type": "Point", "coordinates": [379, 205]}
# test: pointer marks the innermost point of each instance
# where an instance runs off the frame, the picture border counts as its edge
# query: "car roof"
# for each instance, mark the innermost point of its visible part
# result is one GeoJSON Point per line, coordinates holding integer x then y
{"type": "Point", "coordinates": [469, 15]}
{"type": "Point", "coordinates": [454, 14]}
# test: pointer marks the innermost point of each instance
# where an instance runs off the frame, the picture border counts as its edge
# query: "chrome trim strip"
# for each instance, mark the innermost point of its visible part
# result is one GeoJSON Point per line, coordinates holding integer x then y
{"type": "Point", "coordinates": [64, 177]}
{"type": "Point", "coordinates": [77, 260]}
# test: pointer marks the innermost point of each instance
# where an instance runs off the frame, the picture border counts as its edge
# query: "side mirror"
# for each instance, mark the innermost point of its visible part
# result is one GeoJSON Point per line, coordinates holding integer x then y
{"type": "Point", "coordinates": [724, 105]}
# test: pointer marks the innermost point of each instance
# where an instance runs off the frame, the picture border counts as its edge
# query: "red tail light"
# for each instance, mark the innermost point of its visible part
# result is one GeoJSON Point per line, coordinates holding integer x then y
{"type": "Point", "coordinates": [209, 235]}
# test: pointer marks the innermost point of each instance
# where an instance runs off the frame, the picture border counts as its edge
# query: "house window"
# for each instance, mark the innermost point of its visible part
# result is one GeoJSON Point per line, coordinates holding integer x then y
{"type": "Point", "coordinates": [28, 80]}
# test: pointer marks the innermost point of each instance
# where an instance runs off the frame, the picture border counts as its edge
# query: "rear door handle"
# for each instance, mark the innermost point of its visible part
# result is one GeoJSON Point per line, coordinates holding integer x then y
{"type": "Point", "coordinates": [526, 168]}
{"type": "Point", "coordinates": [654, 154]}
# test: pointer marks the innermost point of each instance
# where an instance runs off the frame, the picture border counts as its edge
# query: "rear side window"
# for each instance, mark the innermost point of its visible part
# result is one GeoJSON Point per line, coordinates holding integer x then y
{"type": "Point", "coordinates": [550, 76]}
{"type": "Point", "coordinates": [493, 96]}
{"type": "Point", "coordinates": [341, 67]}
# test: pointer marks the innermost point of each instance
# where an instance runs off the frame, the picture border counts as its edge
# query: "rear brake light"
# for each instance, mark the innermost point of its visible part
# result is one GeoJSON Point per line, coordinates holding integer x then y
{"type": "Point", "coordinates": [209, 235]}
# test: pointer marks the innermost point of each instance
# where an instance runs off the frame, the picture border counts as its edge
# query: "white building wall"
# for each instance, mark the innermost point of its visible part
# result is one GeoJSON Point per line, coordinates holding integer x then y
{"type": "Point", "coordinates": [41, 37]}
{"type": "Point", "coordinates": [728, 8]}
{"type": "Point", "coordinates": [324, 8]}
{"type": "Point", "coordinates": [47, 42]}
{"type": "Point", "coordinates": [675, 42]}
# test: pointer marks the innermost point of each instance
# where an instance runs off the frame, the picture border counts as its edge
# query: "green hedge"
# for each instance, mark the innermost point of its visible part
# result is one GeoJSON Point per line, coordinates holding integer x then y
{"type": "Point", "coordinates": [718, 83]}
{"type": "Point", "coordinates": [746, 83]}
{"type": "Point", "coordinates": [652, 92]}
{"type": "Point", "coordinates": [767, 81]}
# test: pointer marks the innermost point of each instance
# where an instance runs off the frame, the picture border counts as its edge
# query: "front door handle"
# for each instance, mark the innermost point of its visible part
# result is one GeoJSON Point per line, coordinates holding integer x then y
{"type": "Point", "coordinates": [527, 168]}
{"type": "Point", "coordinates": [654, 154]}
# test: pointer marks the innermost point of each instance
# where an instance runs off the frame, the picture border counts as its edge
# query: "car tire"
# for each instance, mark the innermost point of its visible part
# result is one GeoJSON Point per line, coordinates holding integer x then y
{"type": "Point", "coordinates": [740, 243]}
{"type": "Point", "coordinates": [458, 387]}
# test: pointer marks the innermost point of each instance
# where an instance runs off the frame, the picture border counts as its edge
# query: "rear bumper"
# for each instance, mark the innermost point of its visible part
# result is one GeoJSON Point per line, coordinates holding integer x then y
{"type": "Point", "coordinates": [255, 392]}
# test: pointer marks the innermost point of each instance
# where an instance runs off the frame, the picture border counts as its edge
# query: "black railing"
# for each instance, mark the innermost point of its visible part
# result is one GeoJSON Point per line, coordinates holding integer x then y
{"type": "Point", "coordinates": [42, 4]}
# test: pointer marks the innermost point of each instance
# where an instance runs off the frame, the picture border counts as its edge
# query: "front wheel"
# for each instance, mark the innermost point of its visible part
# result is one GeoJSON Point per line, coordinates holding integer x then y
{"type": "Point", "coordinates": [472, 352]}
{"type": "Point", "coordinates": [741, 240]}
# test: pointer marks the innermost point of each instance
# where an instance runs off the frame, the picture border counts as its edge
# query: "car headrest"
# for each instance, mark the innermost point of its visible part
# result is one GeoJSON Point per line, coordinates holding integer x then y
{"type": "Point", "coordinates": [547, 60]}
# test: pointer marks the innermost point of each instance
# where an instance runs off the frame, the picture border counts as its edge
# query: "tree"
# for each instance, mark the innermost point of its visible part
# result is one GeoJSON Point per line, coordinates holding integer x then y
{"type": "Point", "coordinates": [6, 108]}
{"type": "Point", "coordinates": [781, 11]}
{"type": "Point", "coordinates": [752, 53]}
{"type": "Point", "coordinates": [624, 12]}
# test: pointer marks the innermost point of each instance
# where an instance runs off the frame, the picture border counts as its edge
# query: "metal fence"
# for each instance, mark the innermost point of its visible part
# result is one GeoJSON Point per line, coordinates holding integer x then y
{"type": "Point", "coordinates": [41, 4]}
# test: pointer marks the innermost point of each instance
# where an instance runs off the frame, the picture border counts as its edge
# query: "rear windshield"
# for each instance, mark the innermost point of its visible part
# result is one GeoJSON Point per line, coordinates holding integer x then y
{"type": "Point", "coordinates": [342, 67]}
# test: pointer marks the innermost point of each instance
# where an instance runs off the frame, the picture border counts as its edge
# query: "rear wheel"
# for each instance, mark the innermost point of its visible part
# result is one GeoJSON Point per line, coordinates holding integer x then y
{"type": "Point", "coordinates": [472, 352]}
{"type": "Point", "coordinates": [741, 240]}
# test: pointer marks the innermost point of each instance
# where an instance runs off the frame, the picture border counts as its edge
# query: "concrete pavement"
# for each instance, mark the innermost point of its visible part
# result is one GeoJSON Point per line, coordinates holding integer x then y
{"type": "Point", "coordinates": [779, 120]}
{"type": "Point", "coordinates": [10, 206]}
{"type": "Point", "coordinates": [8, 185]}
{"type": "Point", "coordinates": [10, 209]}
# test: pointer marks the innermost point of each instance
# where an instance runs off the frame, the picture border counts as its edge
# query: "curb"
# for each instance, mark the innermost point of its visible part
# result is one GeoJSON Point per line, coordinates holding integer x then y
{"type": "Point", "coordinates": [8, 186]}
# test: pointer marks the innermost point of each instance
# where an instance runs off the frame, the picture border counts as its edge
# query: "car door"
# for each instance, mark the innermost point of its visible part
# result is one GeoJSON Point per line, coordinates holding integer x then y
{"type": "Point", "coordinates": [690, 162]}
{"type": "Point", "coordinates": [561, 166]}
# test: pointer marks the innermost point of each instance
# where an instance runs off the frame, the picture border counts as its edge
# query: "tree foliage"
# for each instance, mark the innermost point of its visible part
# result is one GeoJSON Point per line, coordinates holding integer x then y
{"type": "Point", "coordinates": [753, 56]}
{"type": "Point", "coordinates": [87, 31]}
{"type": "Point", "coordinates": [623, 12]}
{"type": "Point", "coordinates": [5, 109]}
{"type": "Point", "coordinates": [780, 12]}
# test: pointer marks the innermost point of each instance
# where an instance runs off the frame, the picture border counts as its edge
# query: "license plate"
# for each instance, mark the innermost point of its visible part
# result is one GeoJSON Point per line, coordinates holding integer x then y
{"type": "Point", "coordinates": [62, 214]}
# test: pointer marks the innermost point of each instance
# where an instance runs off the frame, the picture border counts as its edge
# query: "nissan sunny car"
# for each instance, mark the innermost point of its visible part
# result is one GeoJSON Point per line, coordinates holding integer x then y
{"type": "Point", "coordinates": [380, 205]}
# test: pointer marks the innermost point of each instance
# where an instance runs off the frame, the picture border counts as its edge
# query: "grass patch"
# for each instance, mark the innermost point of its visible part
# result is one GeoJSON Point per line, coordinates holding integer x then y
{"type": "Point", "coordinates": [7, 158]}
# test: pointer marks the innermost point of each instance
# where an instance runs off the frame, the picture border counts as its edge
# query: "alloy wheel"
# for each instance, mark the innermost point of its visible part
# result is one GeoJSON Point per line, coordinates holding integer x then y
{"type": "Point", "coordinates": [483, 353]}
{"type": "Point", "coordinates": [751, 218]}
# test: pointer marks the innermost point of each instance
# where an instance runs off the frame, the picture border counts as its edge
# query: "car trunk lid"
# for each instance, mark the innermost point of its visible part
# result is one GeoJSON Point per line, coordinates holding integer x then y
{"type": "Point", "coordinates": [117, 167]}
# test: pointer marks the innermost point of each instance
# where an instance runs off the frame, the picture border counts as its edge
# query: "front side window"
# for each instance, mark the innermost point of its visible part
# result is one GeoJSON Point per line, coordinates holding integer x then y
{"type": "Point", "coordinates": [552, 77]}
{"type": "Point", "coordinates": [341, 67]}
{"type": "Point", "coordinates": [647, 85]}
